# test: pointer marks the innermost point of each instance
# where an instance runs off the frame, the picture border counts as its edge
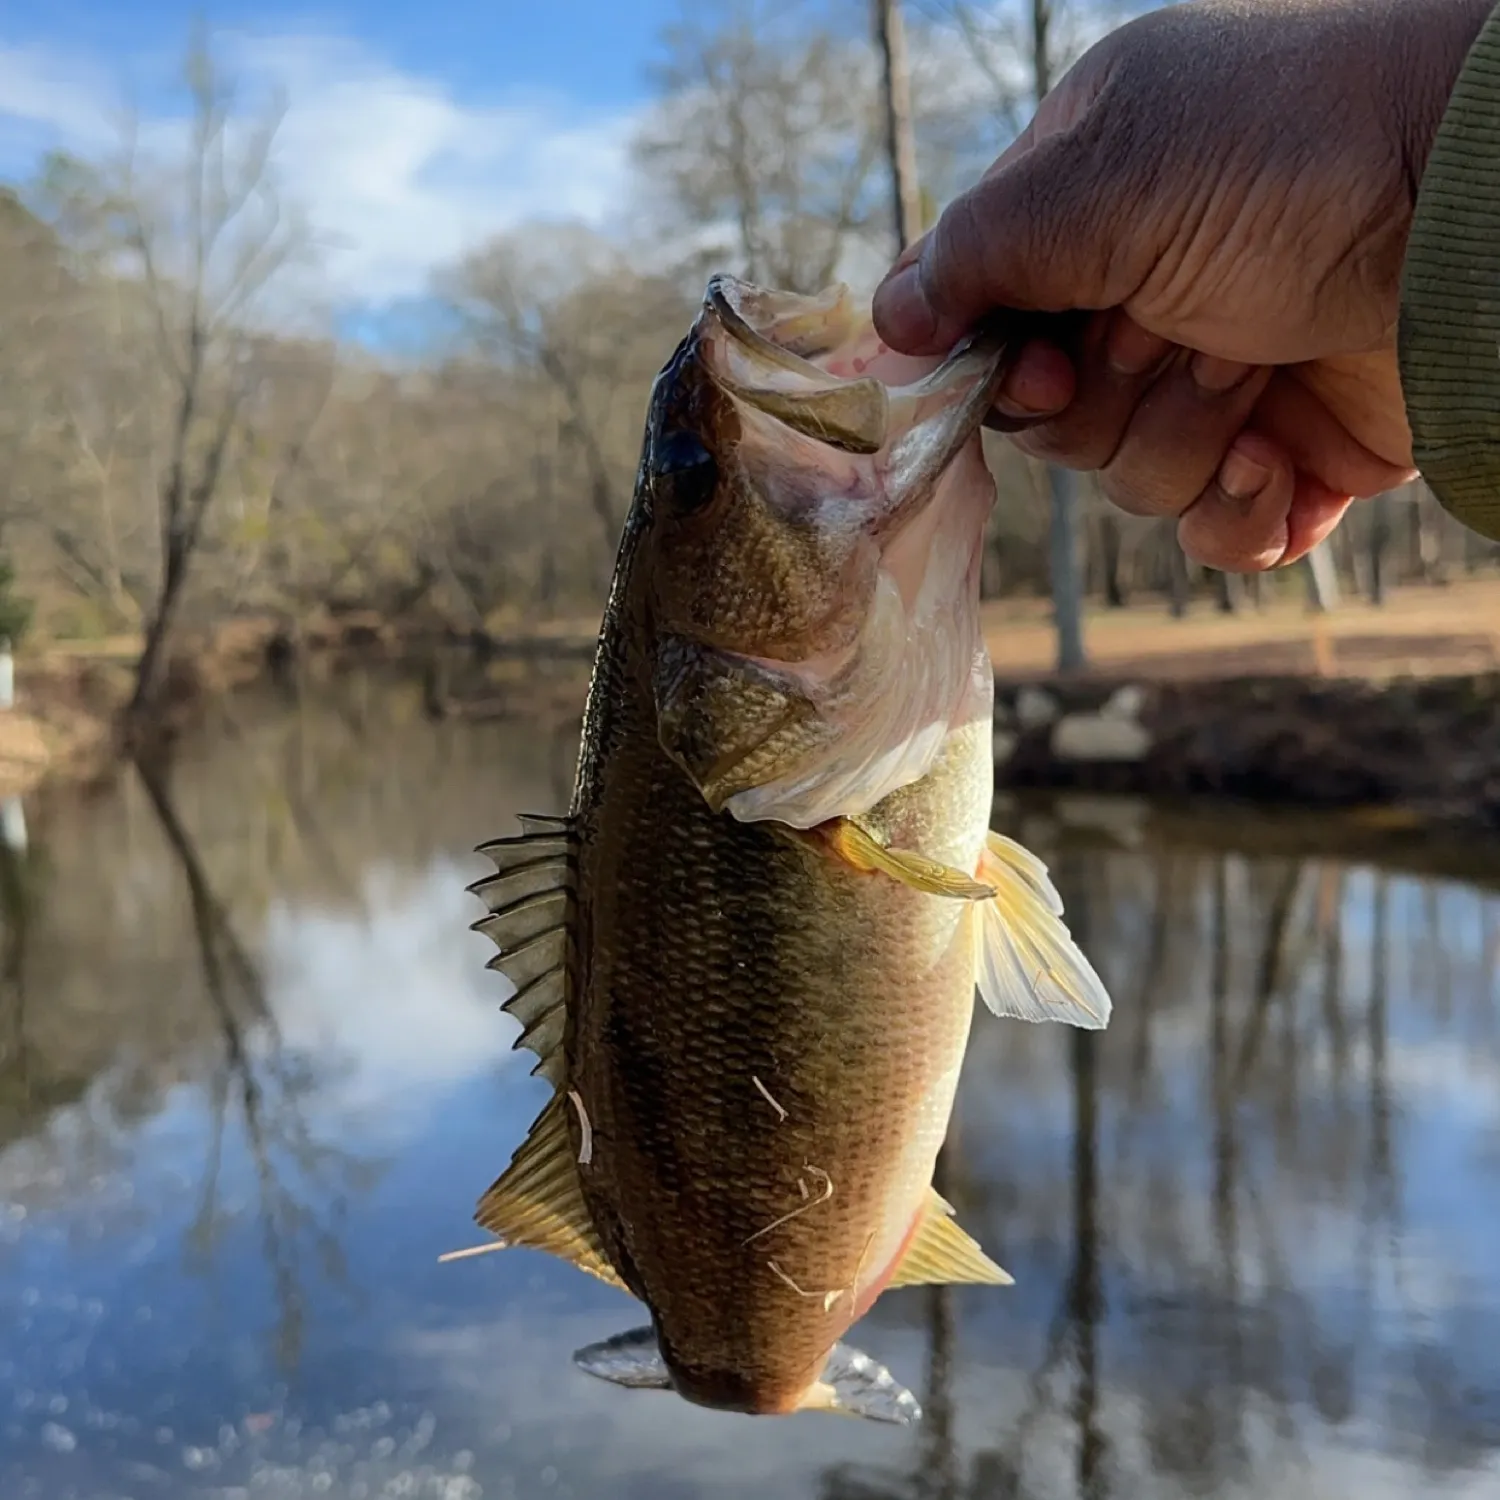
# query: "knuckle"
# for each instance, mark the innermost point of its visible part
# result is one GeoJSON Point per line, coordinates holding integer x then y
{"type": "Point", "coordinates": [953, 270]}
{"type": "Point", "coordinates": [1069, 444]}
{"type": "Point", "coordinates": [1144, 493]}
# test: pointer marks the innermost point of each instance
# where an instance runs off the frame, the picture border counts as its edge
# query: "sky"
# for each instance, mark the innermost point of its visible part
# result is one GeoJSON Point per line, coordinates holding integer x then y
{"type": "Point", "coordinates": [413, 131]}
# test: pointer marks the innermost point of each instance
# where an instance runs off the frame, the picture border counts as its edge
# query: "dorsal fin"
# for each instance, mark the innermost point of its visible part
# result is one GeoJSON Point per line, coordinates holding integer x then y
{"type": "Point", "coordinates": [538, 1201]}
{"type": "Point", "coordinates": [530, 902]}
{"type": "Point", "coordinates": [940, 1252]}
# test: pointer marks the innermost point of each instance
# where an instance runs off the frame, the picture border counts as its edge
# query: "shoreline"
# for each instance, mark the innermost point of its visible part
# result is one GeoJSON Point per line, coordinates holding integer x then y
{"type": "Point", "coordinates": [1410, 752]}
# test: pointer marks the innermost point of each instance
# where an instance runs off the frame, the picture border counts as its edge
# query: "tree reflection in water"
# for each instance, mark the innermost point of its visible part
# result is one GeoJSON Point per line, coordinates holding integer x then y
{"type": "Point", "coordinates": [1213, 1364]}
{"type": "Point", "coordinates": [259, 1092]}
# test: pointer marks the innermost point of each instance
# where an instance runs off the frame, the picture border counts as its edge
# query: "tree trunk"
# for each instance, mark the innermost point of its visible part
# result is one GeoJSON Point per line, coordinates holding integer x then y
{"type": "Point", "coordinates": [1426, 539]}
{"type": "Point", "coordinates": [1380, 536]}
{"type": "Point", "coordinates": [1179, 585]}
{"type": "Point", "coordinates": [900, 141]}
{"type": "Point", "coordinates": [1111, 546]}
{"type": "Point", "coordinates": [1322, 579]}
{"type": "Point", "coordinates": [1067, 569]}
{"type": "Point", "coordinates": [152, 661]}
{"type": "Point", "coordinates": [1041, 51]}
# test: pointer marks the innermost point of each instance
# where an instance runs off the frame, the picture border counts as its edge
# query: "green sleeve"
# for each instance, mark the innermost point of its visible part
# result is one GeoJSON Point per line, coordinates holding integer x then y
{"type": "Point", "coordinates": [1450, 299]}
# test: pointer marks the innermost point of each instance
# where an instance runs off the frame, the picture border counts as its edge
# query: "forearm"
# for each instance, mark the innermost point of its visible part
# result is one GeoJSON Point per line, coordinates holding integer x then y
{"type": "Point", "coordinates": [1450, 295]}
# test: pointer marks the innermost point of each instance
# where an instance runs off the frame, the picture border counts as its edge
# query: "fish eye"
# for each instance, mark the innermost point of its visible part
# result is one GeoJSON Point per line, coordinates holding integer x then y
{"type": "Point", "coordinates": [684, 470]}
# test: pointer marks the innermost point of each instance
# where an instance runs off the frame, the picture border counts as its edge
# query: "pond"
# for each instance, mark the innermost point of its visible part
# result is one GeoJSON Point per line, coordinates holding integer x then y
{"type": "Point", "coordinates": [253, 1077]}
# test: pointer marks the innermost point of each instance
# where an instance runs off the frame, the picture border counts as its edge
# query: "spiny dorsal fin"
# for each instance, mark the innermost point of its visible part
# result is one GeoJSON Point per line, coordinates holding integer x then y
{"type": "Point", "coordinates": [1029, 967]}
{"type": "Point", "coordinates": [940, 1252]}
{"type": "Point", "coordinates": [538, 1202]}
{"type": "Point", "coordinates": [530, 901]}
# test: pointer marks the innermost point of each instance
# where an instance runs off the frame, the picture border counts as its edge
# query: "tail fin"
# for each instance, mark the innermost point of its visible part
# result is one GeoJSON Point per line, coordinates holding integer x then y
{"type": "Point", "coordinates": [852, 1384]}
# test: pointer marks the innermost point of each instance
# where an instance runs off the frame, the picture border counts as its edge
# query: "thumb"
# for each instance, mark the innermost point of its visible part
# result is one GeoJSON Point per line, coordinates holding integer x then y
{"type": "Point", "coordinates": [1058, 227]}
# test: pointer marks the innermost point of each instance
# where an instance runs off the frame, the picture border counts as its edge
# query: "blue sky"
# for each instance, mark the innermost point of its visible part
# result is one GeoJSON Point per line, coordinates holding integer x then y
{"type": "Point", "coordinates": [414, 132]}
{"type": "Point", "coordinates": [593, 49]}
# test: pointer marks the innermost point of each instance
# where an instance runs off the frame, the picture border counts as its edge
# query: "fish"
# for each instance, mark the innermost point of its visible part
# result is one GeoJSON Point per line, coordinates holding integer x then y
{"type": "Point", "coordinates": [747, 956]}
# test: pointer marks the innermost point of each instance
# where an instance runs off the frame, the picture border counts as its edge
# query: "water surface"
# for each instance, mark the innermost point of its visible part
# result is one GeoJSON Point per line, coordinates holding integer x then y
{"type": "Point", "coordinates": [253, 1076]}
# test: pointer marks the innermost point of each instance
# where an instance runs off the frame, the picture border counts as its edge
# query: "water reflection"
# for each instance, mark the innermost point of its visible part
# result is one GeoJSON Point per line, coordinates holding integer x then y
{"type": "Point", "coordinates": [252, 1076]}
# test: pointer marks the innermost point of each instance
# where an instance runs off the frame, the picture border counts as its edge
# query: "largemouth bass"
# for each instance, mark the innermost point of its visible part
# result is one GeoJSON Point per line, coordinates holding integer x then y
{"type": "Point", "coordinates": [747, 957]}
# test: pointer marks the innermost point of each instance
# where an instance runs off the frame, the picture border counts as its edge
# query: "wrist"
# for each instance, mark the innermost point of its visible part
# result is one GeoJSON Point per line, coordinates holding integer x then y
{"type": "Point", "coordinates": [1430, 44]}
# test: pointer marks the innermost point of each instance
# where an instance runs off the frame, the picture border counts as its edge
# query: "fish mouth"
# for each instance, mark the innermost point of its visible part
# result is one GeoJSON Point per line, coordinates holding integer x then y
{"type": "Point", "coordinates": [816, 366]}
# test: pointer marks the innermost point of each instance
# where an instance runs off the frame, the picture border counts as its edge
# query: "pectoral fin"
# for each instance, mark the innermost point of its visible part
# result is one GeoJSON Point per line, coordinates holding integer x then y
{"type": "Point", "coordinates": [1029, 967]}
{"type": "Point", "coordinates": [861, 850]}
{"type": "Point", "coordinates": [854, 1385]}
{"type": "Point", "coordinates": [941, 1253]}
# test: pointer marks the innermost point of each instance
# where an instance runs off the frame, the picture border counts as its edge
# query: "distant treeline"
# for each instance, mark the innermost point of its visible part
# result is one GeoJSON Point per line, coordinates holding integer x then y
{"type": "Point", "coordinates": [178, 448]}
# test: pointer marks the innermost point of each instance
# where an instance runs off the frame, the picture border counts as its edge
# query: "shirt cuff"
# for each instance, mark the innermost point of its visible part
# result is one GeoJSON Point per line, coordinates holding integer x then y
{"type": "Point", "coordinates": [1449, 337]}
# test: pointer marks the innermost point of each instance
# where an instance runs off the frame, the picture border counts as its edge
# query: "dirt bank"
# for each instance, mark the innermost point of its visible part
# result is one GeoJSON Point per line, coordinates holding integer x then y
{"type": "Point", "coordinates": [1427, 751]}
{"type": "Point", "coordinates": [61, 727]}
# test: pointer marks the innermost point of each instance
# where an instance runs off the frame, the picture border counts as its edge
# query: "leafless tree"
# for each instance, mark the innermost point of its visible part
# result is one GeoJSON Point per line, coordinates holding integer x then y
{"type": "Point", "coordinates": [209, 235]}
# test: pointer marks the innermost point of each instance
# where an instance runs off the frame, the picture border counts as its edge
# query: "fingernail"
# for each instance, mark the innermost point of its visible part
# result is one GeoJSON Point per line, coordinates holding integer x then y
{"type": "Point", "coordinates": [1131, 350]}
{"type": "Point", "coordinates": [1241, 478]}
{"type": "Point", "coordinates": [910, 255]}
{"type": "Point", "coordinates": [1216, 376]}
{"type": "Point", "coordinates": [901, 309]}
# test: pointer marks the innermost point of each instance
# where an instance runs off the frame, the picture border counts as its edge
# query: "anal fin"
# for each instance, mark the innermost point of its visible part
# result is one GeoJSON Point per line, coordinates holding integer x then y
{"type": "Point", "coordinates": [538, 1200]}
{"type": "Point", "coordinates": [854, 1385]}
{"type": "Point", "coordinates": [863, 851]}
{"type": "Point", "coordinates": [941, 1253]}
{"type": "Point", "coordinates": [1029, 966]}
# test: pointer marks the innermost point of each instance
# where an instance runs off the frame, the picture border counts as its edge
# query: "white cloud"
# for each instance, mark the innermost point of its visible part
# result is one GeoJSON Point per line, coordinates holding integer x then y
{"type": "Point", "coordinates": [45, 98]}
{"type": "Point", "coordinates": [397, 175]}
{"type": "Point", "coordinates": [408, 1007]}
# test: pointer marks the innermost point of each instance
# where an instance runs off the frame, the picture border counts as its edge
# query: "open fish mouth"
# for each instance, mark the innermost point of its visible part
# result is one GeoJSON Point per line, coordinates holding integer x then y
{"type": "Point", "coordinates": [817, 365]}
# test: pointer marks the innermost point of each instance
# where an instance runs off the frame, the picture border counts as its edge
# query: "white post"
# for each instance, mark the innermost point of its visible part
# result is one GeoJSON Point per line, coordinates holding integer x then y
{"type": "Point", "coordinates": [13, 824]}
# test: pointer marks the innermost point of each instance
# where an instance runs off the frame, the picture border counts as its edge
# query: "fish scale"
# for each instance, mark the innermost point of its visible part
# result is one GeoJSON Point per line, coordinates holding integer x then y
{"type": "Point", "coordinates": [747, 957]}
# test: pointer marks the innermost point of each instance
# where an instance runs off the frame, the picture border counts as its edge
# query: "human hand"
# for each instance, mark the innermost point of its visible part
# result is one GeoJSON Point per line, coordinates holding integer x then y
{"type": "Point", "coordinates": [1226, 187]}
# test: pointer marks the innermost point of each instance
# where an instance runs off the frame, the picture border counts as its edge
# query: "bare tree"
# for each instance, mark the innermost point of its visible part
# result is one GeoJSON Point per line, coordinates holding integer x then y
{"type": "Point", "coordinates": [568, 311]}
{"type": "Point", "coordinates": [766, 142]}
{"type": "Point", "coordinates": [210, 236]}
